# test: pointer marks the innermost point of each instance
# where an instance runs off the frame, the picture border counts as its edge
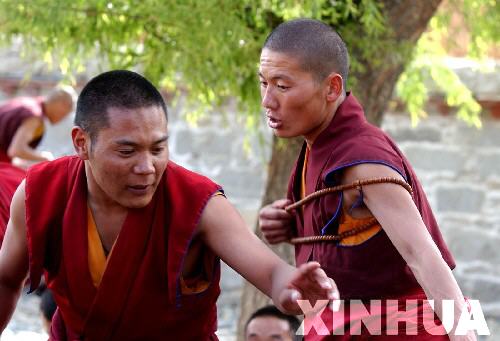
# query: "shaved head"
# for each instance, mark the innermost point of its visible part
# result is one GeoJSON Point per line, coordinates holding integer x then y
{"type": "Point", "coordinates": [114, 89]}
{"type": "Point", "coordinates": [319, 49]}
{"type": "Point", "coordinates": [62, 93]}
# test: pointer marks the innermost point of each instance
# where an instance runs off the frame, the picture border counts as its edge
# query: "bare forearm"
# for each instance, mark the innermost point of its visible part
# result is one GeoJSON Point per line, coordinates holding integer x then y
{"type": "Point", "coordinates": [27, 153]}
{"type": "Point", "coordinates": [439, 284]}
{"type": "Point", "coordinates": [8, 297]}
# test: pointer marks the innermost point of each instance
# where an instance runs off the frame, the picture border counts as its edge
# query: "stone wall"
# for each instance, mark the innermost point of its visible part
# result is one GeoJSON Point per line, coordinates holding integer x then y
{"type": "Point", "coordinates": [459, 168]}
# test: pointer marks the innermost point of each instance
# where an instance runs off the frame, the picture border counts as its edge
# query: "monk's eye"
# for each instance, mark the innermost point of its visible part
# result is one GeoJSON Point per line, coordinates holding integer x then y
{"type": "Point", "coordinates": [157, 151]}
{"type": "Point", "coordinates": [126, 152]}
{"type": "Point", "coordinates": [282, 87]}
{"type": "Point", "coordinates": [263, 84]}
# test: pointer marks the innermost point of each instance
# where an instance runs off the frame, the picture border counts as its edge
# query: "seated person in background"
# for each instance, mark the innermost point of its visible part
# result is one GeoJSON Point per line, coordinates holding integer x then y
{"type": "Point", "coordinates": [22, 124]}
{"type": "Point", "coordinates": [270, 324]}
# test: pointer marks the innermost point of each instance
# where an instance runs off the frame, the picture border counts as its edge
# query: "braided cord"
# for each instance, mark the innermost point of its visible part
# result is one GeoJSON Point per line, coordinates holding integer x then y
{"type": "Point", "coordinates": [340, 188]}
{"type": "Point", "coordinates": [325, 191]}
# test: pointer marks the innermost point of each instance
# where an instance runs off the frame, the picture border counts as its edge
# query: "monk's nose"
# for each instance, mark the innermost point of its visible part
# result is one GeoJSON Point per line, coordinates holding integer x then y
{"type": "Point", "coordinates": [144, 165]}
{"type": "Point", "coordinates": [268, 99]}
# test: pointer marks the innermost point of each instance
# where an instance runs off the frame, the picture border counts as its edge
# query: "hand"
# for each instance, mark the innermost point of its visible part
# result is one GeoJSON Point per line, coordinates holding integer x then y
{"type": "Point", "coordinates": [309, 283]}
{"type": "Point", "coordinates": [275, 222]}
{"type": "Point", "coordinates": [47, 155]}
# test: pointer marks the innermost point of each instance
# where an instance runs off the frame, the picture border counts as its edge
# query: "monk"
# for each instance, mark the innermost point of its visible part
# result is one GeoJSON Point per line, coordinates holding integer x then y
{"type": "Point", "coordinates": [372, 228]}
{"type": "Point", "coordinates": [129, 241]}
{"type": "Point", "coordinates": [22, 124]}
{"type": "Point", "coordinates": [10, 178]}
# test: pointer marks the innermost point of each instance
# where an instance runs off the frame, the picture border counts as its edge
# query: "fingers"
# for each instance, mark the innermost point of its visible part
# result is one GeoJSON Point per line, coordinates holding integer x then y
{"type": "Point", "coordinates": [274, 212]}
{"type": "Point", "coordinates": [310, 283]}
{"type": "Point", "coordinates": [275, 222]}
{"type": "Point", "coordinates": [288, 300]}
{"type": "Point", "coordinates": [313, 282]}
{"type": "Point", "coordinates": [308, 267]}
{"type": "Point", "coordinates": [276, 237]}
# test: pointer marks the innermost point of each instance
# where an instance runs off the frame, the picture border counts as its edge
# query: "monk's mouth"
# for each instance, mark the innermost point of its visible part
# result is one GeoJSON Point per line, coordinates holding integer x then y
{"type": "Point", "coordinates": [274, 123]}
{"type": "Point", "coordinates": [139, 189]}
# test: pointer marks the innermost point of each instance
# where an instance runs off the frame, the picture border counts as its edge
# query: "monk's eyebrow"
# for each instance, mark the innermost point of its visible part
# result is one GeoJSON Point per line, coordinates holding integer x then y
{"type": "Point", "coordinates": [161, 140]}
{"type": "Point", "coordinates": [277, 77]}
{"type": "Point", "coordinates": [125, 142]}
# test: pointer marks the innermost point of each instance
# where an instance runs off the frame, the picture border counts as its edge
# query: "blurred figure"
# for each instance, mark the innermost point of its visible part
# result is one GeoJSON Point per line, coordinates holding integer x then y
{"type": "Point", "coordinates": [22, 124]}
{"type": "Point", "coordinates": [270, 324]}
{"type": "Point", "coordinates": [48, 308]}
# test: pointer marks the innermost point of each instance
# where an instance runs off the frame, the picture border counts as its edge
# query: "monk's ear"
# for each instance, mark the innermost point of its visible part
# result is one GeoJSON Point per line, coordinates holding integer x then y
{"type": "Point", "coordinates": [81, 142]}
{"type": "Point", "coordinates": [335, 87]}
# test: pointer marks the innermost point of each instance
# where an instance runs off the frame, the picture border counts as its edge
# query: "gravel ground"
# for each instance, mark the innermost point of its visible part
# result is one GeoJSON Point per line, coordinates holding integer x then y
{"type": "Point", "coordinates": [26, 324]}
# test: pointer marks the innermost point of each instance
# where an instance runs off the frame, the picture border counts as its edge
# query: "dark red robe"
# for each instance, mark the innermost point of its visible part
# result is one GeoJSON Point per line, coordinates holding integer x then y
{"type": "Point", "coordinates": [12, 115]}
{"type": "Point", "coordinates": [139, 297]}
{"type": "Point", "coordinates": [373, 269]}
{"type": "Point", "coordinates": [10, 178]}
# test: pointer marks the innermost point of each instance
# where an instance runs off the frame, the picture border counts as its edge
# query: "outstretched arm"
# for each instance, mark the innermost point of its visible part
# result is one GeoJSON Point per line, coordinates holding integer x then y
{"type": "Point", "coordinates": [13, 258]}
{"type": "Point", "coordinates": [394, 208]}
{"type": "Point", "coordinates": [225, 232]}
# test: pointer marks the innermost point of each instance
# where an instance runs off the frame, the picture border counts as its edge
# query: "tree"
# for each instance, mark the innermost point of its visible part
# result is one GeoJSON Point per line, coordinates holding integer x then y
{"type": "Point", "coordinates": [212, 47]}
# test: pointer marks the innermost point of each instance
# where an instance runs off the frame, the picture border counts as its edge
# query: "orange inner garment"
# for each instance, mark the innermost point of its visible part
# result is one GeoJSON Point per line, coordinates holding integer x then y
{"type": "Point", "coordinates": [98, 261]}
{"type": "Point", "coordinates": [347, 222]}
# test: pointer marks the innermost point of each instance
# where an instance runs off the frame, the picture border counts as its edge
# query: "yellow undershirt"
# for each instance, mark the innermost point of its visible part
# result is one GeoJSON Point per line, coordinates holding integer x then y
{"type": "Point", "coordinates": [97, 256]}
{"type": "Point", "coordinates": [98, 260]}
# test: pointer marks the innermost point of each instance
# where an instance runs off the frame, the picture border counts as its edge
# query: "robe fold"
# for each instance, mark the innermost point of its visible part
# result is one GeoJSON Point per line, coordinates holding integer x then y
{"type": "Point", "coordinates": [139, 297]}
{"type": "Point", "coordinates": [10, 178]}
{"type": "Point", "coordinates": [373, 268]}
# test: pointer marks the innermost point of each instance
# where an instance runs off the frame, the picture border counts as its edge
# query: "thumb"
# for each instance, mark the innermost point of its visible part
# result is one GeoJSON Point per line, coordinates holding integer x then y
{"type": "Point", "coordinates": [288, 300]}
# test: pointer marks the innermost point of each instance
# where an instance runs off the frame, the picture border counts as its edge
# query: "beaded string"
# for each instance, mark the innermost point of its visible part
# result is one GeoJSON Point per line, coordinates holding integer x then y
{"type": "Point", "coordinates": [356, 184]}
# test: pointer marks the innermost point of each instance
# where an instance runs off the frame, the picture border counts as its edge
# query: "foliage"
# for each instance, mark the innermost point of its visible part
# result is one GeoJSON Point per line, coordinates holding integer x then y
{"type": "Point", "coordinates": [480, 25]}
{"type": "Point", "coordinates": [210, 49]}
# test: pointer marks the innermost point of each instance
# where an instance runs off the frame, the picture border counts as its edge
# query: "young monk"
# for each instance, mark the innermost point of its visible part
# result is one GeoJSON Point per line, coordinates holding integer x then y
{"type": "Point", "coordinates": [129, 241]}
{"type": "Point", "coordinates": [10, 178]}
{"type": "Point", "coordinates": [377, 239]}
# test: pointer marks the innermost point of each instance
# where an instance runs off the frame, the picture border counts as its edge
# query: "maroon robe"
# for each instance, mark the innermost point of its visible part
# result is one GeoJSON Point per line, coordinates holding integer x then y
{"type": "Point", "coordinates": [139, 297]}
{"type": "Point", "coordinates": [373, 269]}
{"type": "Point", "coordinates": [12, 115]}
{"type": "Point", "coordinates": [10, 178]}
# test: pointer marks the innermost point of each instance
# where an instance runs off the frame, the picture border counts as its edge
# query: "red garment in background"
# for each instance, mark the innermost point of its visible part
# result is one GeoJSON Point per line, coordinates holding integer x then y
{"type": "Point", "coordinates": [12, 115]}
{"type": "Point", "coordinates": [139, 297]}
{"type": "Point", "coordinates": [10, 178]}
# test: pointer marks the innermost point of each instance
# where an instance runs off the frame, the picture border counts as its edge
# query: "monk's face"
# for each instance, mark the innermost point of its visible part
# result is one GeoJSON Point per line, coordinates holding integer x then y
{"type": "Point", "coordinates": [296, 103]}
{"type": "Point", "coordinates": [128, 158]}
{"type": "Point", "coordinates": [268, 328]}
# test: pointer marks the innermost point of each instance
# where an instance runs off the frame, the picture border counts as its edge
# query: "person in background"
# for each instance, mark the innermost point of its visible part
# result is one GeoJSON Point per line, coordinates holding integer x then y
{"type": "Point", "coordinates": [270, 324]}
{"type": "Point", "coordinates": [22, 124]}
